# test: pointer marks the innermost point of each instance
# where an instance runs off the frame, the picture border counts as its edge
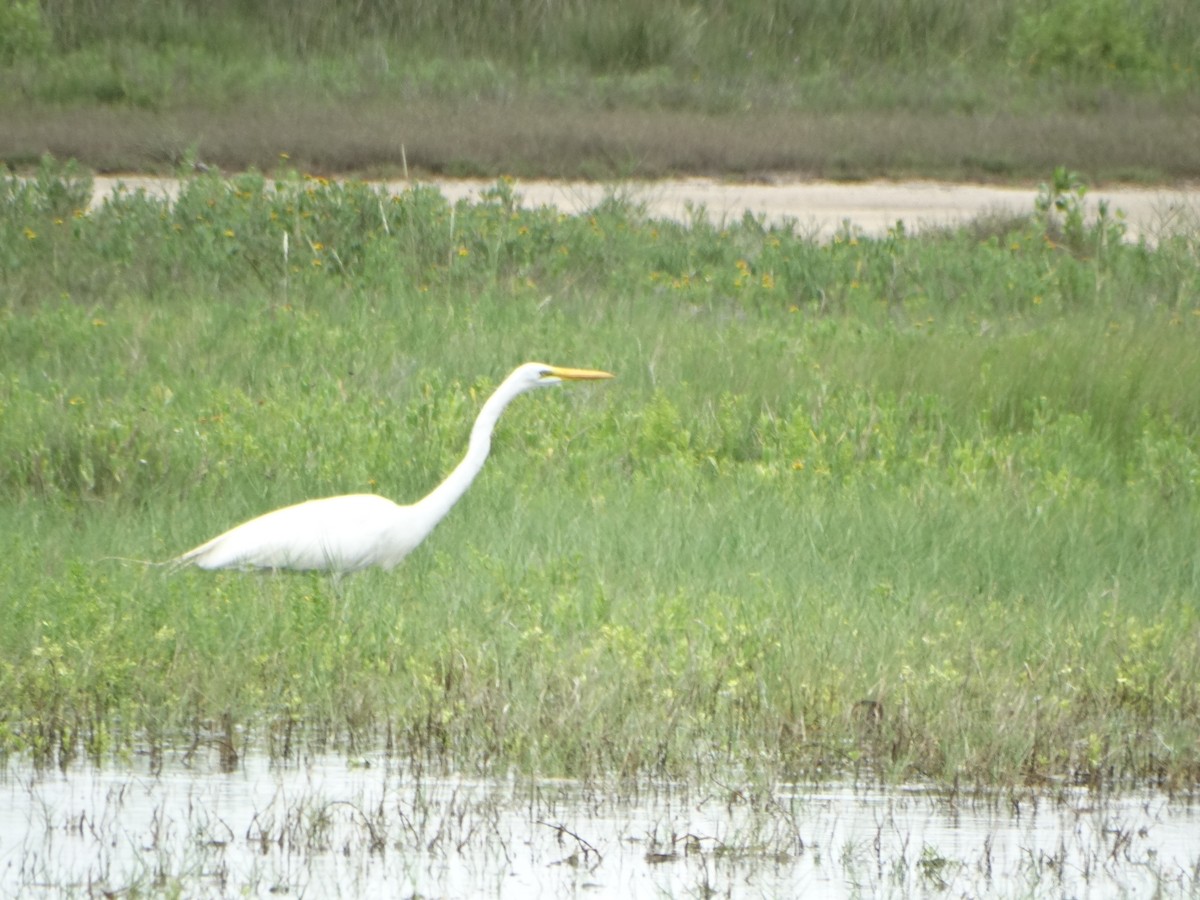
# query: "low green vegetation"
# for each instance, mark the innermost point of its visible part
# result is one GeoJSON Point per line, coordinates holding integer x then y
{"type": "Point", "coordinates": [920, 506]}
{"type": "Point", "coordinates": [1114, 40]}
{"type": "Point", "coordinates": [949, 88]}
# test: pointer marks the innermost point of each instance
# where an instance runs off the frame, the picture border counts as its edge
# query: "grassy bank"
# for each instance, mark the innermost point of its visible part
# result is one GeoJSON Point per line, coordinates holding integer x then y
{"type": "Point", "coordinates": [925, 505]}
{"type": "Point", "coordinates": [998, 89]}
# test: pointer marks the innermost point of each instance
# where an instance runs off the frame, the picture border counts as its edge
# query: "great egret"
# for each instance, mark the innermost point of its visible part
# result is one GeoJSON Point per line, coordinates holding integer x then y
{"type": "Point", "coordinates": [344, 534]}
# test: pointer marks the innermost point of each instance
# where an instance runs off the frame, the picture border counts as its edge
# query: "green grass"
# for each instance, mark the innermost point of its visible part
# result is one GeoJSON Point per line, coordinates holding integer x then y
{"type": "Point", "coordinates": [920, 506]}
{"type": "Point", "coordinates": [1069, 38]}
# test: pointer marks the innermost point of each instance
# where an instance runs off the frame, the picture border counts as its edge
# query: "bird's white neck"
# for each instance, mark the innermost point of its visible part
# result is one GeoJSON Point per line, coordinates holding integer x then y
{"type": "Point", "coordinates": [434, 507]}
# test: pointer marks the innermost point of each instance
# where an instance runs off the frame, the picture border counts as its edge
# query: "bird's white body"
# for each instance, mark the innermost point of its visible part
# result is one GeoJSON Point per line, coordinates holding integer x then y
{"type": "Point", "coordinates": [344, 534]}
{"type": "Point", "coordinates": [341, 534]}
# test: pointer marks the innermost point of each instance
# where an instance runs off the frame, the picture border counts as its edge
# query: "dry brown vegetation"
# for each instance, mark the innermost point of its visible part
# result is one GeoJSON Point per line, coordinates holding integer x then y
{"type": "Point", "coordinates": [526, 138]}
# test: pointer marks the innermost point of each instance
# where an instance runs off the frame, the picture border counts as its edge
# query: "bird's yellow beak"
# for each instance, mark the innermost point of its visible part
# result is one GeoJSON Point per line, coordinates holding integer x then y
{"type": "Point", "coordinates": [578, 374]}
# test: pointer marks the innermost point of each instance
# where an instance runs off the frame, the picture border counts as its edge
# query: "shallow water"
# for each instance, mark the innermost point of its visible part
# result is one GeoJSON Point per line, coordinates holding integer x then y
{"type": "Point", "coordinates": [337, 827]}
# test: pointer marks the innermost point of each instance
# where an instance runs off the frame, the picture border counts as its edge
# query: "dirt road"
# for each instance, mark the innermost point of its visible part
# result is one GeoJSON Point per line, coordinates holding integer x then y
{"type": "Point", "coordinates": [819, 208]}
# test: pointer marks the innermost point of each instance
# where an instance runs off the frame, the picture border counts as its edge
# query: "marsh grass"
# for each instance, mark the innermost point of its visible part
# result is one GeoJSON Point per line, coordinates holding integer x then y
{"type": "Point", "coordinates": [998, 89]}
{"type": "Point", "coordinates": [916, 506]}
{"type": "Point", "coordinates": [1069, 38]}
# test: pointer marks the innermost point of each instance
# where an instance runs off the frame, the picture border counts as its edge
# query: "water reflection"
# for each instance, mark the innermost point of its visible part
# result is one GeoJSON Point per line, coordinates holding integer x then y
{"type": "Point", "coordinates": [332, 827]}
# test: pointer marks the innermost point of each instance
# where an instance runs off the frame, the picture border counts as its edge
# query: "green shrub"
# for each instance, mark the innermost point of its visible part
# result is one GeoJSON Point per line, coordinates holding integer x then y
{"type": "Point", "coordinates": [23, 33]}
{"type": "Point", "coordinates": [1085, 38]}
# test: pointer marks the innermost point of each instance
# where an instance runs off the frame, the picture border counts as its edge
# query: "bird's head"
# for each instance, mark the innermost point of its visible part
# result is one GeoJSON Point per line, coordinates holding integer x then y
{"type": "Point", "coordinates": [543, 375]}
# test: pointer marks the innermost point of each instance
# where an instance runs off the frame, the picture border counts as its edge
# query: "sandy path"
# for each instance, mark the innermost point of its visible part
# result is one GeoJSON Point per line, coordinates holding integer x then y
{"type": "Point", "coordinates": [820, 208]}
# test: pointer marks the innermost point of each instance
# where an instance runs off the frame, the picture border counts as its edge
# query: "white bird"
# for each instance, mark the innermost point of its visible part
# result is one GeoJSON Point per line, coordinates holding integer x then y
{"type": "Point", "coordinates": [344, 534]}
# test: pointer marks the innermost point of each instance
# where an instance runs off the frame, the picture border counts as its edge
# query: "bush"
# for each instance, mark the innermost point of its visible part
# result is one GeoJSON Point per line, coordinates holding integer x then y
{"type": "Point", "coordinates": [23, 34]}
{"type": "Point", "coordinates": [1080, 38]}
